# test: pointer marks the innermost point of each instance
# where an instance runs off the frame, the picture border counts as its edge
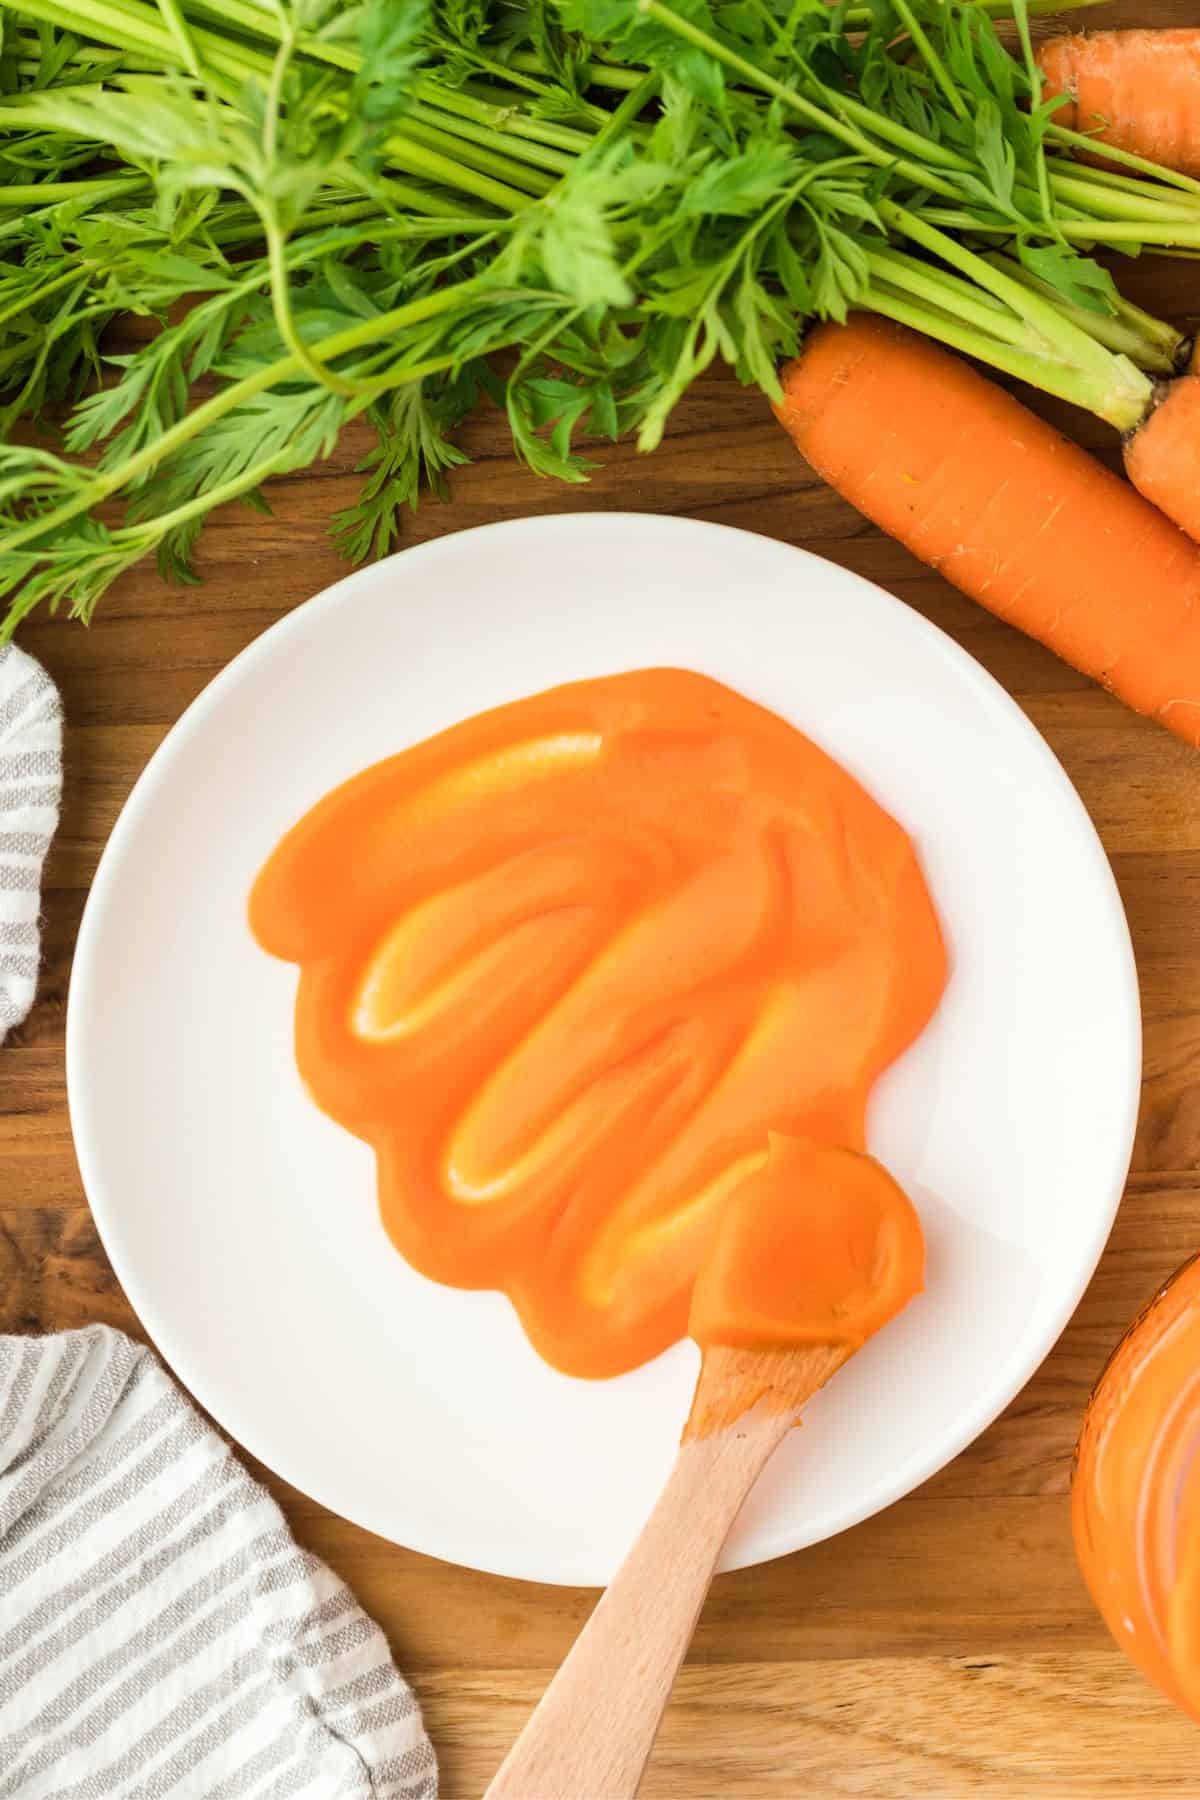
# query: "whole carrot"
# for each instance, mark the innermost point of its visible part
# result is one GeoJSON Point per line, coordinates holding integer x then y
{"type": "Point", "coordinates": [1162, 458]}
{"type": "Point", "coordinates": [1137, 90]}
{"type": "Point", "coordinates": [1005, 507]}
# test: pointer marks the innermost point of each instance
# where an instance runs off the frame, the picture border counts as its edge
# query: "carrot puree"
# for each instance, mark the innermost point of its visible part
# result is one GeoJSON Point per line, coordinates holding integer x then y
{"type": "Point", "coordinates": [1136, 1491]}
{"type": "Point", "coordinates": [576, 969]}
{"type": "Point", "coordinates": [819, 1246]}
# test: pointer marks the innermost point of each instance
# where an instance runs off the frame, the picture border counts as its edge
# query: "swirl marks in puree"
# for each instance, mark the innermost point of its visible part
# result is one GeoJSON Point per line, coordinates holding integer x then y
{"type": "Point", "coordinates": [566, 965]}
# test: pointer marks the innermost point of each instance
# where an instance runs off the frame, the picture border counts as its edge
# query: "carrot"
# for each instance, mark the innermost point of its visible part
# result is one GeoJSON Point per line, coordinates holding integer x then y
{"type": "Point", "coordinates": [1162, 453]}
{"type": "Point", "coordinates": [1137, 90]}
{"type": "Point", "coordinates": [1162, 458]}
{"type": "Point", "coordinates": [1005, 507]}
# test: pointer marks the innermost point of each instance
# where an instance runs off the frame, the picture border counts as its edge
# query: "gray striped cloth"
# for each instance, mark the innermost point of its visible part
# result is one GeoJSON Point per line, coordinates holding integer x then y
{"type": "Point", "coordinates": [30, 788]}
{"type": "Point", "coordinates": [160, 1631]}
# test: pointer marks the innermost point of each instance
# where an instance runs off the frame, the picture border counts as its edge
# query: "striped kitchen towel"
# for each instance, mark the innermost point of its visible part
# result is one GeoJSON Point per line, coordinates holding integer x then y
{"type": "Point", "coordinates": [30, 788]}
{"type": "Point", "coordinates": [160, 1631]}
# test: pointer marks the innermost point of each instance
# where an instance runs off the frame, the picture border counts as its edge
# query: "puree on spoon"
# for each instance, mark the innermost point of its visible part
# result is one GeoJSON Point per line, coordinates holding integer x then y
{"type": "Point", "coordinates": [819, 1246]}
{"type": "Point", "coordinates": [569, 964]}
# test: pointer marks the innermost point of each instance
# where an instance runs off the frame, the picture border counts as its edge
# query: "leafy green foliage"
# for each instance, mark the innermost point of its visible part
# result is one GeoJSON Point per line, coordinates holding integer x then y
{"type": "Point", "coordinates": [412, 453]}
{"type": "Point", "coordinates": [310, 250]}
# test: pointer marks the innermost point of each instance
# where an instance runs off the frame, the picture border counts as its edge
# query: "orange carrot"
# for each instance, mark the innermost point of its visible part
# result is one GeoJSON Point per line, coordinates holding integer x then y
{"type": "Point", "coordinates": [1162, 453]}
{"type": "Point", "coordinates": [1162, 458]}
{"type": "Point", "coordinates": [1005, 507]}
{"type": "Point", "coordinates": [1138, 90]}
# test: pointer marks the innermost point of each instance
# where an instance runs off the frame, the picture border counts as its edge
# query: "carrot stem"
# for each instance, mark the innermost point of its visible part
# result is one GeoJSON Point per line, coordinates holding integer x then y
{"type": "Point", "coordinates": [1041, 314]}
{"type": "Point", "coordinates": [949, 293]}
{"type": "Point", "coordinates": [1041, 371]}
{"type": "Point", "coordinates": [932, 60]}
{"type": "Point", "coordinates": [461, 151]}
{"type": "Point", "coordinates": [1179, 240]}
{"type": "Point", "coordinates": [1114, 202]}
{"type": "Point", "coordinates": [1080, 140]}
{"type": "Point", "coordinates": [1109, 385]}
{"type": "Point", "coordinates": [1127, 329]}
{"type": "Point", "coordinates": [99, 188]}
{"type": "Point", "coordinates": [1129, 184]}
{"type": "Point", "coordinates": [1145, 234]}
{"type": "Point", "coordinates": [568, 139]}
{"type": "Point", "coordinates": [1034, 76]}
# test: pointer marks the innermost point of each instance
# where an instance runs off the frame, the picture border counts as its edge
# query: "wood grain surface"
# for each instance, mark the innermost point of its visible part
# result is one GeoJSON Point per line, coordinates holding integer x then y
{"type": "Point", "coordinates": [945, 1648]}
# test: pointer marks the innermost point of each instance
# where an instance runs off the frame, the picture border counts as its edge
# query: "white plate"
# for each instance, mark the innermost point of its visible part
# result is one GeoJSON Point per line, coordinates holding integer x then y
{"type": "Point", "coordinates": [242, 1223]}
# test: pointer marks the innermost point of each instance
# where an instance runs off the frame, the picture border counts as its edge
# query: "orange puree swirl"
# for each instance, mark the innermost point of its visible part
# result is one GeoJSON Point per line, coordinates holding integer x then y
{"type": "Point", "coordinates": [567, 965]}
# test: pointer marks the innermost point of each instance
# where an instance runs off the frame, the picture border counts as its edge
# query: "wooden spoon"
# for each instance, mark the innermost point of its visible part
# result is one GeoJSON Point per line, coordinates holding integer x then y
{"type": "Point", "coordinates": [592, 1733]}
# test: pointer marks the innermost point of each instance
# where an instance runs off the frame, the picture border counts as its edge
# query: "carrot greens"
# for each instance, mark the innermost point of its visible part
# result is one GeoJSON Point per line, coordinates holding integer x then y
{"type": "Point", "coordinates": [339, 212]}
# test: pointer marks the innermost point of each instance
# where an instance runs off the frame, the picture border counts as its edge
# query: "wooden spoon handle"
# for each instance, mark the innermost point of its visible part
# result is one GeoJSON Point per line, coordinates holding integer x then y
{"type": "Point", "coordinates": [593, 1731]}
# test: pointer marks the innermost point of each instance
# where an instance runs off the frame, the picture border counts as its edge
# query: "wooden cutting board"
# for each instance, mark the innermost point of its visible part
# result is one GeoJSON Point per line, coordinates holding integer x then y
{"type": "Point", "coordinates": [946, 1648]}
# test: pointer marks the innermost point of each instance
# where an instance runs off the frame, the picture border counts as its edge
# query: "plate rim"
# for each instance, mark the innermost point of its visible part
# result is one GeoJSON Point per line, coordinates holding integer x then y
{"type": "Point", "coordinates": [915, 1470]}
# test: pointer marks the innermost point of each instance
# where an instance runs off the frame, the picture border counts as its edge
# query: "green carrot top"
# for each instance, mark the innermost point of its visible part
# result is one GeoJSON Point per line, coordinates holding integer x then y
{"type": "Point", "coordinates": [362, 205]}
